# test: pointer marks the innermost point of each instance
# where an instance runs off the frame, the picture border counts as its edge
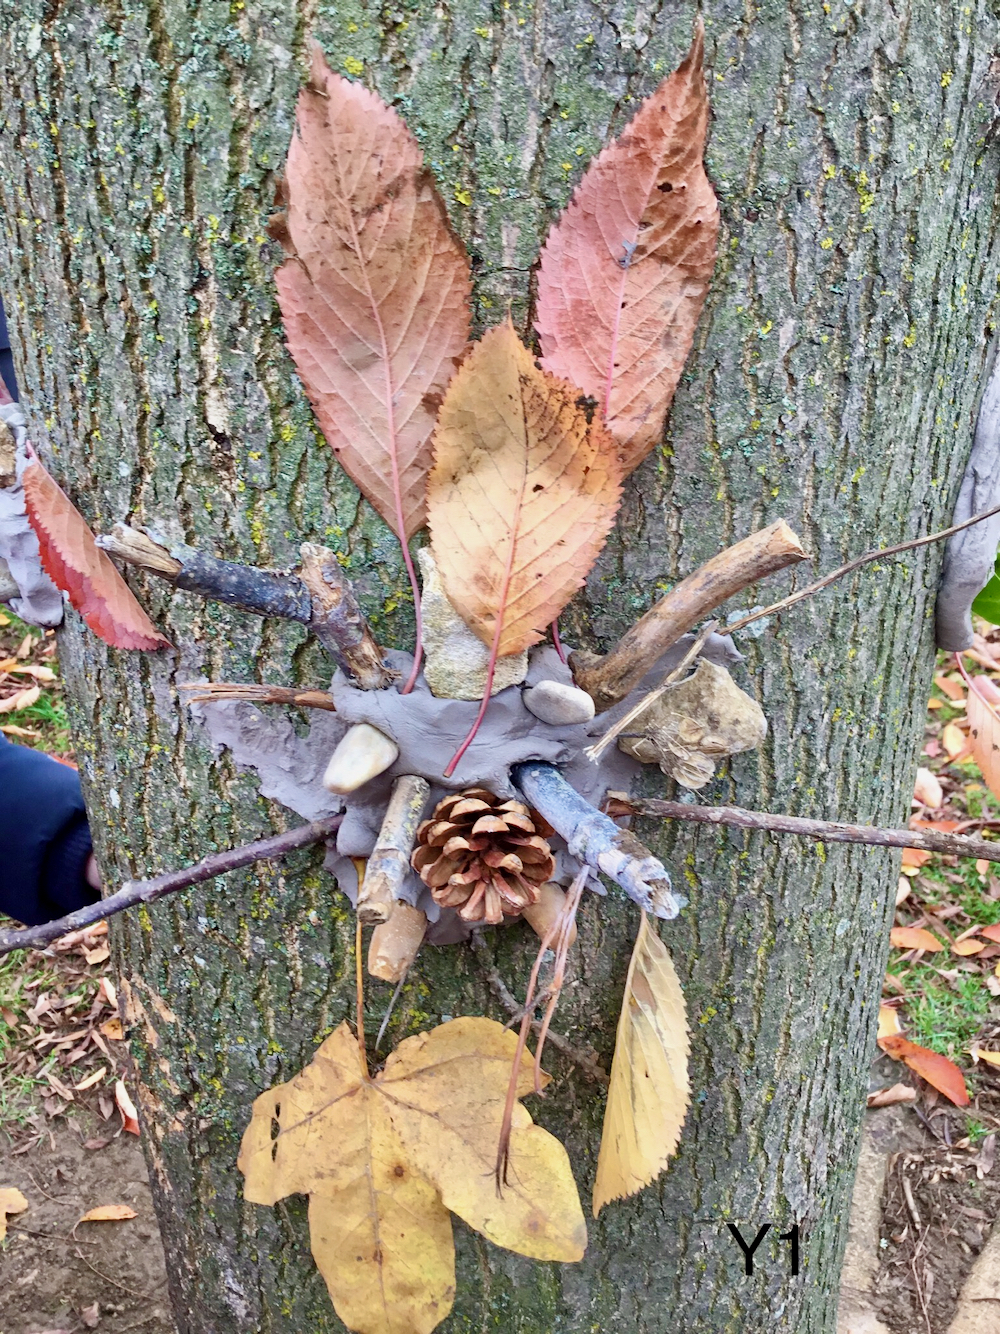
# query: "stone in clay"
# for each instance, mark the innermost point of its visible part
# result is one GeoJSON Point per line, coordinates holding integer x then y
{"type": "Point", "coordinates": [554, 702]}
{"type": "Point", "coordinates": [455, 659]}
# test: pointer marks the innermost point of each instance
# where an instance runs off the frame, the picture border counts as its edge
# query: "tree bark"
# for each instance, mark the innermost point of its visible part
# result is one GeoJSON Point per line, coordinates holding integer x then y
{"type": "Point", "coordinates": [833, 382]}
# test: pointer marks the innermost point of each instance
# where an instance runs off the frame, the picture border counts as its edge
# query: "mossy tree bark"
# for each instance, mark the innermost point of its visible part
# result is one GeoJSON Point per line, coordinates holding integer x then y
{"type": "Point", "coordinates": [834, 382]}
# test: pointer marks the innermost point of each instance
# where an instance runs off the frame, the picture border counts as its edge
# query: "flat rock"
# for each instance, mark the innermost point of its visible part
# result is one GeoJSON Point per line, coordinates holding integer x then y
{"type": "Point", "coordinates": [456, 660]}
{"type": "Point", "coordinates": [556, 703]}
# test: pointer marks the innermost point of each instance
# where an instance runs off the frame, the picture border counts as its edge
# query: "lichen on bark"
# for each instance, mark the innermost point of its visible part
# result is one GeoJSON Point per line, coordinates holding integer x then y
{"type": "Point", "coordinates": [833, 382]}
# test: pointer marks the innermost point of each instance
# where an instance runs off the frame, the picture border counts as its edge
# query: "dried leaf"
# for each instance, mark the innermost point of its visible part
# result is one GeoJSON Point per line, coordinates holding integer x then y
{"type": "Point", "coordinates": [649, 1091]}
{"type": "Point", "coordinates": [967, 947]}
{"type": "Point", "coordinates": [940, 1073]}
{"type": "Point", "coordinates": [109, 1213]}
{"type": "Point", "coordinates": [888, 1021]}
{"type": "Point", "coordinates": [522, 494]}
{"type": "Point", "coordinates": [891, 1096]}
{"type": "Point", "coordinates": [913, 938]}
{"type": "Point", "coordinates": [11, 1202]}
{"type": "Point", "coordinates": [927, 789]}
{"type": "Point", "coordinates": [126, 1107]}
{"type": "Point", "coordinates": [91, 1315]}
{"type": "Point", "coordinates": [375, 294]}
{"type": "Point", "coordinates": [952, 686]}
{"type": "Point", "coordinates": [984, 730]}
{"type": "Point", "coordinates": [953, 740]}
{"type": "Point", "coordinates": [383, 1159]}
{"type": "Point", "coordinates": [112, 1029]}
{"type": "Point", "coordinates": [21, 699]}
{"type": "Point", "coordinates": [75, 563]}
{"type": "Point", "coordinates": [914, 858]}
{"type": "Point", "coordinates": [625, 270]}
{"type": "Point", "coordinates": [991, 1057]}
{"type": "Point", "coordinates": [991, 932]}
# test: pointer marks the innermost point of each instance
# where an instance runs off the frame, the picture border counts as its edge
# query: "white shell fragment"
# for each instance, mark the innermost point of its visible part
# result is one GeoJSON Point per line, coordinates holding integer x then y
{"type": "Point", "coordinates": [363, 754]}
{"type": "Point", "coordinates": [456, 659]}
{"type": "Point", "coordinates": [556, 703]}
{"type": "Point", "coordinates": [694, 723]}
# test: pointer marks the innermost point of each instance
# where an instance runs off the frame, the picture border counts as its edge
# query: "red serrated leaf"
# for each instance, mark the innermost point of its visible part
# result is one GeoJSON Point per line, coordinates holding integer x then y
{"type": "Point", "coordinates": [942, 1074]}
{"type": "Point", "coordinates": [625, 271]}
{"type": "Point", "coordinates": [76, 564]}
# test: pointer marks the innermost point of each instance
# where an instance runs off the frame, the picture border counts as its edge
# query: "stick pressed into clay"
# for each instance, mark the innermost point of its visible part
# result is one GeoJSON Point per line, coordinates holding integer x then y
{"type": "Point", "coordinates": [389, 862]}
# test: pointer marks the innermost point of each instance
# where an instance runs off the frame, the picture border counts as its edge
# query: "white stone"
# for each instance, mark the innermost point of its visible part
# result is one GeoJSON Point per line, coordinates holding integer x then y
{"type": "Point", "coordinates": [362, 755]}
{"type": "Point", "coordinates": [555, 703]}
{"type": "Point", "coordinates": [455, 659]}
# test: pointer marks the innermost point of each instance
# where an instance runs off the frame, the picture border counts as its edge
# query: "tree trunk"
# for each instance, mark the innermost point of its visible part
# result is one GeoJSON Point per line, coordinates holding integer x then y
{"type": "Point", "coordinates": [834, 382]}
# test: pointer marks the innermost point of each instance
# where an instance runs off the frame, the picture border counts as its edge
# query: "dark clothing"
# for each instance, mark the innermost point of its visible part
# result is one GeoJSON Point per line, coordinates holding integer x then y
{"type": "Point", "coordinates": [44, 837]}
{"type": "Point", "coordinates": [6, 360]}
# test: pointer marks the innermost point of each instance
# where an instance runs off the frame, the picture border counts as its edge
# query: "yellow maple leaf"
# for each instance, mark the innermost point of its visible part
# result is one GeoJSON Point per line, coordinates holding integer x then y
{"type": "Point", "coordinates": [649, 1091]}
{"type": "Point", "coordinates": [11, 1202]}
{"type": "Point", "coordinates": [383, 1160]}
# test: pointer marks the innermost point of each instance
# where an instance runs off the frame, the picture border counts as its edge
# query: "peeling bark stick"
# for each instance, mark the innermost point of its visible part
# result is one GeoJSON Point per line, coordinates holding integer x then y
{"type": "Point", "coordinates": [390, 858]}
{"type": "Point", "coordinates": [824, 831]}
{"type": "Point", "coordinates": [597, 840]}
{"type": "Point", "coordinates": [211, 691]}
{"type": "Point", "coordinates": [148, 891]}
{"type": "Point", "coordinates": [322, 598]}
{"type": "Point", "coordinates": [611, 678]}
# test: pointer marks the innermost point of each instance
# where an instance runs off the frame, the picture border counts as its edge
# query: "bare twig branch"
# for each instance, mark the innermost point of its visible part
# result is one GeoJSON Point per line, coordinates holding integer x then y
{"type": "Point", "coordinates": [612, 677]}
{"type": "Point", "coordinates": [148, 891]}
{"type": "Point", "coordinates": [595, 751]}
{"type": "Point", "coordinates": [879, 553]}
{"type": "Point", "coordinates": [389, 861]}
{"type": "Point", "coordinates": [824, 831]}
{"type": "Point", "coordinates": [597, 840]}
{"type": "Point", "coordinates": [211, 691]}
{"type": "Point", "coordinates": [338, 621]}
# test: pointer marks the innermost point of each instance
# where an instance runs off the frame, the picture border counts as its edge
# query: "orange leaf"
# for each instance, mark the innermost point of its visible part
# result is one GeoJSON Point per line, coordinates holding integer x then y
{"type": "Point", "coordinates": [951, 686]}
{"type": "Point", "coordinates": [375, 295]}
{"type": "Point", "coordinates": [953, 740]}
{"type": "Point", "coordinates": [915, 857]}
{"type": "Point", "coordinates": [965, 947]}
{"type": "Point", "coordinates": [522, 494]}
{"type": "Point", "coordinates": [984, 731]}
{"type": "Point", "coordinates": [927, 788]}
{"type": "Point", "coordinates": [625, 270]}
{"type": "Point", "coordinates": [76, 564]}
{"type": "Point", "coordinates": [130, 1117]}
{"type": "Point", "coordinates": [109, 1213]}
{"type": "Point", "coordinates": [942, 1074]}
{"type": "Point", "coordinates": [888, 1021]}
{"type": "Point", "coordinates": [913, 938]}
{"type": "Point", "coordinates": [990, 932]}
{"type": "Point", "coordinates": [992, 1057]}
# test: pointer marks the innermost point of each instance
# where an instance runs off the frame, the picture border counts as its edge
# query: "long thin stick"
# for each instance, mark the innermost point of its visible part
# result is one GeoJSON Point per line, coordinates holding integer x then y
{"type": "Point", "coordinates": [211, 691]}
{"type": "Point", "coordinates": [148, 891]}
{"type": "Point", "coordinates": [389, 861]}
{"type": "Point", "coordinates": [877, 554]}
{"type": "Point", "coordinates": [824, 831]}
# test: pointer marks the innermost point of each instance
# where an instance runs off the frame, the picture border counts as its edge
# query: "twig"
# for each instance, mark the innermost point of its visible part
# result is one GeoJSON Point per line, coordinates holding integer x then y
{"type": "Point", "coordinates": [148, 891]}
{"type": "Point", "coordinates": [211, 691]}
{"type": "Point", "coordinates": [595, 839]}
{"type": "Point", "coordinates": [824, 831]}
{"type": "Point", "coordinates": [513, 1007]}
{"type": "Point", "coordinates": [389, 861]}
{"type": "Point", "coordinates": [879, 553]}
{"type": "Point", "coordinates": [595, 751]}
{"type": "Point", "coordinates": [338, 621]}
{"type": "Point", "coordinates": [120, 1286]}
{"type": "Point", "coordinates": [566, 924]}
{"type": "Point", "coordinates": [612, 677]}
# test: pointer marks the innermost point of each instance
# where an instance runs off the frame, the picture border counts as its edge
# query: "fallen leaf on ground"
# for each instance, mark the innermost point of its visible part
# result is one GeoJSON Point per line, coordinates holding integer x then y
{"type": "Point", "coordinates": [991, 932]}
{"type": "Point", "coordinates": [939, 1072]}
{"type": "Point", "coordinates": [76, 564]}
{"type": "Point", "coordinates": [967, 947]}
{"type": "Point", "coordinates": [951, 686]}
{"type": "Point", "coordinates": [91, 1080]}
{"type": "Point", "coordinates": [522, 495]}
{"type": "Point", "coordinates": [927, 789]}
{"type": "Point", "coordinates": [915, 857]}
{"type": "Point", "coordinates": [888, 1021]}
{"type": "Point", "coordinates": [12, 730]}
{"type": "Point", "coordinates": [97, 956]}
{"type": "Point", "coordinates": [109, 1213]}
{"type": "Point", "coordinates": [890, 1096]}
{"type": "Point", "coordinates": [383, 1159]}
{"type": "Point", "coordinates": [991, 1057]}
{"type": "Point", "coordinates": [112, 1028]}
{"type": "Point", "coordinates": [649, 1091]}
{"type": "Point", "coordinates": [984, 730]}
{"type": "Point", "coordinates": [11, 1202]}
{"type": "Point", "coordinates": [624, 272]}
{"type": "Point", "coordinates": [91, 1315]}
{"type": "Point", "coordinates": [954, 741]}
{"type": "Point", "coordinates": [982, 865]}
{"type": "Point", "coordinates": [21, 699]}
{"type": "Point", "coordinates": [130, 1117]}
{"type": "Point", "coordinates": [913, 938]}
{"type": "Point", "coordinates": [903, 890]}
{"type": "Point", "coordinates": [375, 294]}
{"type": "Point", "coordinates": [93, 1145]}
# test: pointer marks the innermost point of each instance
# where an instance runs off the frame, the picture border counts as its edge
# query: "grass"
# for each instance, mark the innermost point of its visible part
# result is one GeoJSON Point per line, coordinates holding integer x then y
{"type": "Point", "coordinates": [21, 983]}
{"type": "Point", "coordinates": [47, 716]}
{"type": "Point", "coordinates": [944, 1016]}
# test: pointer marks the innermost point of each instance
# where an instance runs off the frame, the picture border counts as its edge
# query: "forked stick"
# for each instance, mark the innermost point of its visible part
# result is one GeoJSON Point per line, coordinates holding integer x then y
{"type": "Point", "coordinates": [611, 678]}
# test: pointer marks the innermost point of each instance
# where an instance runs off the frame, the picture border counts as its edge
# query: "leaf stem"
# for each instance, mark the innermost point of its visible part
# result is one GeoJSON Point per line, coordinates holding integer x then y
{"type": "Point", "coordinates": [359, 997]}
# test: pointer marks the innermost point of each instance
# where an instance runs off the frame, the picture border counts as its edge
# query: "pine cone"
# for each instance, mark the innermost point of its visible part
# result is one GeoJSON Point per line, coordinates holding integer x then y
{"type": "Point", "coordinates": [483, 855]}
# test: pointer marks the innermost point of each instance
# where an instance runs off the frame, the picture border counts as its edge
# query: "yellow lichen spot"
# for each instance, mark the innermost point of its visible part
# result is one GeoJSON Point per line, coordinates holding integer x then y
{"type": "Point", "coordinates": [463, 195]}
{"type": "Point", "coordinates": [829, 171]}
{"type": "Point", "coordinates": [354, 66]}
{"type": "Point", "coordinates": [566, 166]}
{"type": "Point", "coordinates": [707, 1014]}
{"type": "Point", "coordinates": [494, 190]}
{"type": "Point", "coordinates": [946, 78]}
{"type": "Point", "coordinates": [482, 32]}
{"type": "Point", "coordinates": [765, 329]}
{"type": "Point", "coordinates": [352, 27]}
{"type": "Point", "coordinates": [826, 243]}
{"type": "Point", "coordinates": [911, 337]}
{"type": "Point", "coordinates": [894, 106]}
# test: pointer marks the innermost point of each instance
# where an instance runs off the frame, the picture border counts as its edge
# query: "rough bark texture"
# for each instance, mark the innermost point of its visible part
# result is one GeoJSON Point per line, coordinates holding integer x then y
{"type": "Point", "coordinates": [834, 382]}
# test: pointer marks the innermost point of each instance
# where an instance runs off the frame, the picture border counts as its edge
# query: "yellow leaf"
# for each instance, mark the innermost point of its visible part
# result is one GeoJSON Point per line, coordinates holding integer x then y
{"type": "Point", "coordinates": [914, 938]}
{"type": "Point", "coordinates": [11, 1202]}
{"type": "Point", "coordinates": [522, 494]}
{"type": "Point", "coordinates": [993, 1057]}
{"type": "Point", "coordinates": [965, 947]}
{"type": "Point", "coordinates": [953, 740]}
{"type": "Point", "coordinates": [649, 1092]}
{"type": "Point", "coordinates": [109, 1213]}
{"type": "Point", "coordinates": [383, 1160]}
{"type": "Point", "coordinates": [888, 1021]}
